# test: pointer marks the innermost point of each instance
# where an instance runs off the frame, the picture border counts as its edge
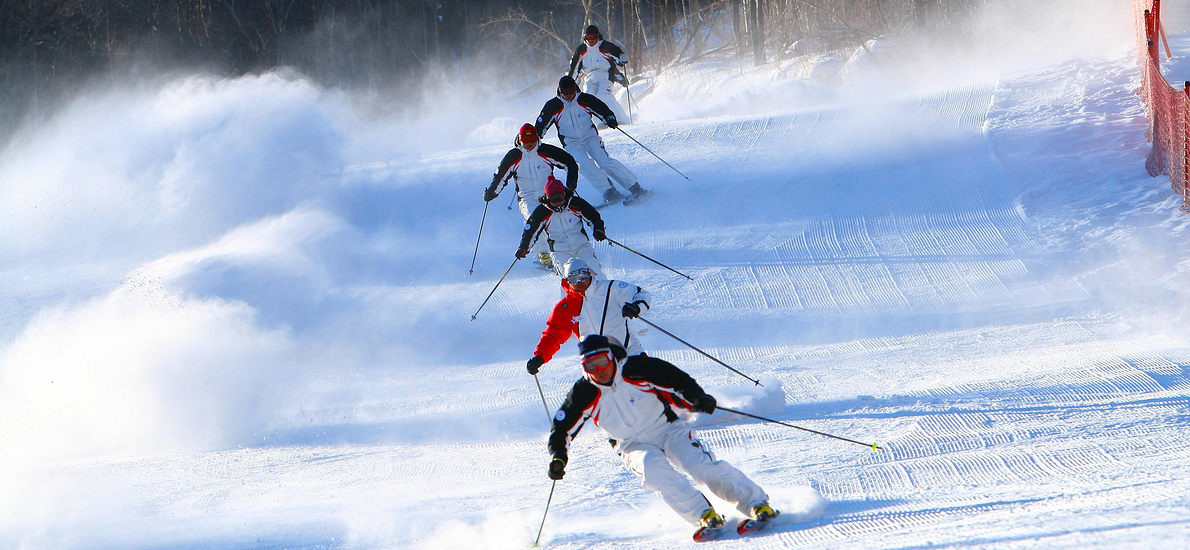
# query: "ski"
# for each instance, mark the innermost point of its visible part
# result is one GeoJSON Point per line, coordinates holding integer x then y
{"type": "Point", "coordinates": [751, 527]}
{"type": "Point", "coordinates": [705, 534]}
{"type": "Point", "coordinates": [635, 199]}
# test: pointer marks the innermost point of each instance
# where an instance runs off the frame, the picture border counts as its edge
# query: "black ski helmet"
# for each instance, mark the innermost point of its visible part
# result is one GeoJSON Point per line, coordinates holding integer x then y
{"type": "Point", "coordinates": [566, 83]}
{"type": "Point", "coordinates": [592, 29]}
{"type": "Point", "coordinates": [597, 343]}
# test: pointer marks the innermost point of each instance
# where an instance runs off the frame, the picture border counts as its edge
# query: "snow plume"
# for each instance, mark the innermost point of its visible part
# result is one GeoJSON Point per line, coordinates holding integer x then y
{"type": "Point", "coordinates": [150, 368]}
{"type": "Point", "coordinates": [138, 172]}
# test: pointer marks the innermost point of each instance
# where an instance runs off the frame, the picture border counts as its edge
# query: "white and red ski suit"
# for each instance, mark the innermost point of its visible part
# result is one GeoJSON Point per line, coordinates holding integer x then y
{"type": "Point", "coordinates": [599, 310]}
{"type": "Point", "coordinates": [599, 64]}
{"type": "Point", "coordinates": [530, 168]}
{"type": "Point", "coordinates": [579, 137]}
{"type": "Point", "coordinates": [565, 232]}
{"type": "Point", "coordinates": [636, 409]}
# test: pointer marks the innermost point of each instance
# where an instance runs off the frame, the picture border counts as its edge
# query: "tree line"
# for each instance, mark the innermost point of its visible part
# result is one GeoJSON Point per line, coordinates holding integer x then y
{"type": "Point", "coordinates": [48, 45]}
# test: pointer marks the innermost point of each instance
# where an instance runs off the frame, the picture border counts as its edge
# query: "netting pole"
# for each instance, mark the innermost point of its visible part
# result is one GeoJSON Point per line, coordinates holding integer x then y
{"type": "Point", "coordinates": [1150, 22]}
{"type": "Point", "coordinates": [1186, 147]}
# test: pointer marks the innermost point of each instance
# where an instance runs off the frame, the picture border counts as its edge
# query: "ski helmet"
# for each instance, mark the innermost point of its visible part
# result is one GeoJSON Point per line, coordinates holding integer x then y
{"type": "Point", "coordinates": [594, 344]}
{"type": "Point", "coordinates": [527, 131]}
{"type": "Point", "coordinates": [575, 266]}
{"type": "Point", "coordinates": [566, 84]}
{"type": "Point", "coordinates": [592, 29]}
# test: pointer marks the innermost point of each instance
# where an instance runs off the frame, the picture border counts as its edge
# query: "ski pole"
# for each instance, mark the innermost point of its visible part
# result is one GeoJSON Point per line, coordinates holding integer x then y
{"type": "Point", "coordinates": [485, 301]}
{"type": "Point", "coordinates": [742, 413]}
{"type": "Point", "coordinates": [543, 403]}
{"type": "Point", "coordinates": [512, 202]}
{"type": "Point", "coordinates": [629, 92]}
{"type": "Point", "coordinates": [481, 220]}
{"type": "Point", "coordinates": [705, 354]}
{"type": "Point", "coordinates": [650, 259]}
{"type": "Point", "coordinates": [654, 154]}
{"type": "Point", "coordinates": [547, 512]}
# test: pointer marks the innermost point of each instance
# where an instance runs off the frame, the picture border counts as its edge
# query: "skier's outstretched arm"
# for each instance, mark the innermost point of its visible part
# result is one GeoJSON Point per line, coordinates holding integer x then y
{"type": "Point", "coordinates": [598, 108]}
{"type": "Point", "coordinates": [548, 116]}
{"type": "Point", "coordinates": [665, 376]}
{"type": "Point", "coordinates": [577, 407]}
{"type": "Point", "coordinates": [588, 212]}
{"type": "Point", "coordinates": [532, 228]}
{"type": "Point", "coordinates": [578, 54]}
{"type": "Point", "coordinates": [558, 327]}
{"type": "Point", "coordinates": [503, 172]}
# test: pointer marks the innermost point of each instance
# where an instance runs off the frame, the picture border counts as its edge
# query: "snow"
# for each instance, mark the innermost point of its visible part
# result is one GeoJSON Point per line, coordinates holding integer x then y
{"type": "Point", "coordinates": [238, 316]}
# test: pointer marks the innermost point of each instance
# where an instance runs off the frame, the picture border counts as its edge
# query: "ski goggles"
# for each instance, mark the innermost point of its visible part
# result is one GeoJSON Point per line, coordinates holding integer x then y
{"type": "Point", "coordinates": [592, 362]}
{"type": "Point", "coordinates": [578, 276]}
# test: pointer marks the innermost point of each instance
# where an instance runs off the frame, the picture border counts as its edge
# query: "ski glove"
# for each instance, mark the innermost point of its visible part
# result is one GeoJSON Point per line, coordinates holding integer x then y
{"type": "Point", "coordinates": [557, 469]}
{"type": "Point", "coordinates": [521, 253]}
{"type": "Point", "coordinates": [631, 311]}
{"type": "Point", "coordinates": [599, 235]}
{"type": "Point", "coordinates": [611, 122]}
{"type": "Point", "coordinates": [489, 195]}
{"type": "Point", "coordinates": [705, 404]}
{"type": "Point", "coordinates": [534, 364]}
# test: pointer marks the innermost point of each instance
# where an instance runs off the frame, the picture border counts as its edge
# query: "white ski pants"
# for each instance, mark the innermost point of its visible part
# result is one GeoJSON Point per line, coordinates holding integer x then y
{"type": "Point", "coordinates": [660, 464]}
{"type": "Point", "coordinates": [586, 252]}
{"type": "Point", "coordinates": [602, 89]}
{"type": "Point", "coordinates": [595, 165]}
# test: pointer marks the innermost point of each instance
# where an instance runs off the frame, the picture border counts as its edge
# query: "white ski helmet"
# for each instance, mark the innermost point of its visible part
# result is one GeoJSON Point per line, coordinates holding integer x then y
{"type": "Point", "coordinates": [575, 266]}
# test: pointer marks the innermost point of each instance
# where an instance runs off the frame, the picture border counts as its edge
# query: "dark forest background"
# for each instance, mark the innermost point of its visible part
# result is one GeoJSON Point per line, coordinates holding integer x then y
{"type": "Point", "coordinates": [50, 47]}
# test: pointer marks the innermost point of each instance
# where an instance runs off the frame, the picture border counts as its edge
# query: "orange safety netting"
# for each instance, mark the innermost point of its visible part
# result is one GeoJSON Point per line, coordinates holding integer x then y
{"type": "Point", "coordinates": [1168, 108]}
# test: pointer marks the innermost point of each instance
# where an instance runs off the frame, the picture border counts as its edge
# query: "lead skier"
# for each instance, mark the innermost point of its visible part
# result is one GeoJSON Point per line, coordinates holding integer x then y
{"type": "Point", "coordinates": [591, 305]}
{"type": "Point", "coordinates": [531, 163]}
{"type": "Point", "coordinates": [599, 62]}
{"type": "Point", "coordinates": [562, 218]}
{"type": "Point", "coordinates": [632, 398]}
{"type": "Point", "coordinates": [572, 112]}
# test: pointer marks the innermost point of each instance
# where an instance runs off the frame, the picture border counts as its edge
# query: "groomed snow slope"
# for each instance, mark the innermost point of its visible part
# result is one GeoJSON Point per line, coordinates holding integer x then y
{"type": "Point", "coordinates": [250, 327]}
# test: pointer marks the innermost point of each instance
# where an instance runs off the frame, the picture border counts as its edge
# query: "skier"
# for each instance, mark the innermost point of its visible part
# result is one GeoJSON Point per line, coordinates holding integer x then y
{"type": "Point", "coordinates": [632, 398]}
{"type": "Point", "coordinates": [590, 306]}
{"type": "Point", "coordinates": [571, 111]}
{"type": "Point", "coordinates": [599, 61]}
{"type": "Point", "coordinates": [561, 217]}
{"type": "Point", "coordinates": [531, 162]}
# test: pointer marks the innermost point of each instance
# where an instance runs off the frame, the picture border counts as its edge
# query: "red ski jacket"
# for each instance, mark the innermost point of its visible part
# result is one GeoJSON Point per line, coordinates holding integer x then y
{"type": "Point", "coordinates": [560, 324]}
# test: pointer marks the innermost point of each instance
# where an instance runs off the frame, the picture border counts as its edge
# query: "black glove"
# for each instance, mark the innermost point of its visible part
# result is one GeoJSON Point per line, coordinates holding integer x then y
{"type": "Point", "coordinates": [705, 404]}
{"type": "Point", "coordinates": [631, 311]}
{"type": "Point", "coordinates": [599, 235]}
{"type": "Point", "coordinates": [534, 364]}
{"type": "Point", "coordinates": [521, 253]}
{"type": "Point", "coordinates": [557, 468]}
{"type": "Point", "coordinates": [611, 122]}
{"type": "Point", "coordinates": [489, 194]}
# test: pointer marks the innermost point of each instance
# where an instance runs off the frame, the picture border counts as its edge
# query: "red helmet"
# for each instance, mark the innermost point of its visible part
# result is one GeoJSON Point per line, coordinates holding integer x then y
{"type": "Point", "coordinates": [527, 130]}
{"type": "Point", "coordinates": [553, 186]}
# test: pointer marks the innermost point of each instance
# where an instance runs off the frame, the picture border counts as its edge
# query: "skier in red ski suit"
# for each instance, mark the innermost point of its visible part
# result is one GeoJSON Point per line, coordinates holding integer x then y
{"type": "Point", "coordinates": [591, 306]}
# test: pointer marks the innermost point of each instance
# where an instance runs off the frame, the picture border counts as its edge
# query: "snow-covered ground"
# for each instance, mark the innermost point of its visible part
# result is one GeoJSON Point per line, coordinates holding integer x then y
{"type": "Point", "coordinates": [238, 317]}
